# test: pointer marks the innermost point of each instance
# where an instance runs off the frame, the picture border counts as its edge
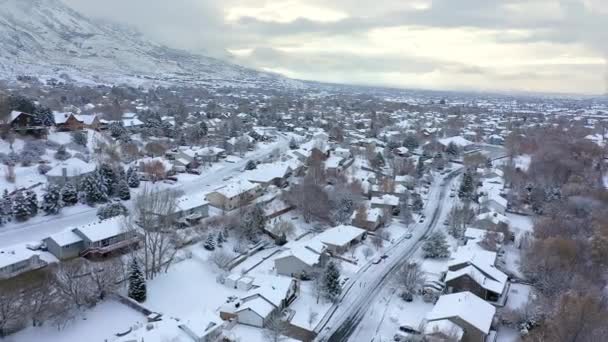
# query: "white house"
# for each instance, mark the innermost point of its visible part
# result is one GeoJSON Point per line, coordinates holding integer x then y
{"type": "Point", "coordinates": [106, 237]}
{"type": "Point", "coordinates": [469, 312]}
{"type": "Point", "coordinates": [302, 259]}
{"type": "Point", "coordinates": [339, 239]}
{"type": "Point", "coordinates": [69, 171]}
{"type": "Point", "coordinates": [15, 260]}
{"type": "Point", "coordinates": [234, 195]}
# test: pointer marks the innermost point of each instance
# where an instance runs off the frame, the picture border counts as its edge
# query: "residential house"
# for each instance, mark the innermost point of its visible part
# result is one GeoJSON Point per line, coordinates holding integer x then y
{"type": "Point", "coordinates": [200, 327]}
{"type": "Point", "coordinates": [473, 269]}
{"type": "Point", "coordinates": [106, 237]}
{"type": "Point", "coordinates": [341, 238]}
{"type": "Point", "coordinates": [89, 121]}
{"type": "Point", "coordinates": [67, 122]}
{"type": "Point", "coordinates": [277, 174]}
{"type": "Point", "coordinates": [26, 123]}
{"type": "Point", "coordinates": [190, 210]}
{"type": "Point", "coordinates": [234, 195]}
{"type": "Point", "coordinates": [368, 218]}
{"type": "Point", "coordinates": [470, 313]}
{"type": "Point", "coordinates": [65, 245]}
{"type": "Point", "coordinates": [262, 301]}
{"type": "Point", "coordinates": [69, 171]}
{"type": "Point", "coordinates": [302, 260]}
{"type": "Point", "coordinates": [16, 260]}
{"type": "Point", "coordinates": [389, 203]}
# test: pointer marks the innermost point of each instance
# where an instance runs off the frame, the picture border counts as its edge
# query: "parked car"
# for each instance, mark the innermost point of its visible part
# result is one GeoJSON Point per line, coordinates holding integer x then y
{"type": "Point", "coordinates": [408, 235]}
{"type": "Point", "coordinates": [409, 330]}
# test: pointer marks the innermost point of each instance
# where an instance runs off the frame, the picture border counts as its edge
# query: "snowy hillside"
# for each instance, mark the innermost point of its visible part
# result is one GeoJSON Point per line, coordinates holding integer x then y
{"type": "Point", "coordinates": [47, 39]}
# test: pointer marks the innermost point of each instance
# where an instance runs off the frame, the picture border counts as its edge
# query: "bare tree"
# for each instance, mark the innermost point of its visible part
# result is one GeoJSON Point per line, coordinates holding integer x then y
{"type": "Point", "coordinates": [11, 310]}
{"type": "Point", "coordinates": [154, 212]}
{"type": "Point", "coordinates": [221, 259]}
{"type": "Point", "coordinates": [411, 279]}
{"type": "Point", "coordinates": [275, 328]}
{"type": "Point", "coordinates": [73, 283]}
{"type": "Point", "coordinates": [105, 277]}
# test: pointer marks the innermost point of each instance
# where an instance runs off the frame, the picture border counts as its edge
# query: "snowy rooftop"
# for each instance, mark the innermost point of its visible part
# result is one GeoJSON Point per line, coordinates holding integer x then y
{"type": "Point", "coordinates": [481, 259]}
{"type": "Point", "coordinates": [185, 203]}
{"type": "Point", "coordinates": [445, 327]}
{"type": "Point", "coordinates": [101, 230]}
{"type": "Point", "coordinates": [74, 167]}
{"type": "Point", "coordinates": [480, 278]}
{"type": "Point", "coordinates": [457, 140]}
{"type": "Point", "coordinates": [14, 254]}
{"type": "Point", "coordinates": [386, 199]}
{"type": "Point", "coordinates": [267, 172]}
{"type": "Point", "coordinates": [65, 238]}
{"type": "Point", "coordinates": [309, 252]}
{"type": "Point", "coordinates": [236, 188]}
{"type": "Point", "coordinates": [340, 236]}
{"type": "Point", "coordinates": [467, 307]}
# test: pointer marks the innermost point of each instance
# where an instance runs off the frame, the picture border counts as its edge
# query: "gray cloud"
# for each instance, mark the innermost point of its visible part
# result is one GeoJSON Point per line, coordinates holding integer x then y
{"type": "Point", "coordinates": [200, 25]}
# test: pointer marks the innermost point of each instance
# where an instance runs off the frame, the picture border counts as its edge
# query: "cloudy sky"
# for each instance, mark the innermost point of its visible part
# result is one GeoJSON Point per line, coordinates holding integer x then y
{"type": "Point", "coordinates": [505, 45]}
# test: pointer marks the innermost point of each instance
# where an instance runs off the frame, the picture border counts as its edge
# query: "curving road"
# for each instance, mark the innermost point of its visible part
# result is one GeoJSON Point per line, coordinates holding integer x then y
{"type": "Point", "coordinates": [359, 295]}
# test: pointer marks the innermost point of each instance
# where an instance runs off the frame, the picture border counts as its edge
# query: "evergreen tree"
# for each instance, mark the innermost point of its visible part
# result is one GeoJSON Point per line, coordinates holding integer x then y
{"type": "Point", "coordinates": [69, 195]}
{"type": "Point", "coordinates": [436, 246]}
{"type": "Point", "coordinates": [330, 283]}
{"type": "Point", "coordinates": [203, 129]}
{"type": "Point", "coordinates": [137, 283]}
{"type": "Point", "coordinates": [6, 208]}
{"type": "Point", "coordinates": [220, 239]}
{"type": "Point", "coordinates": [293, 144]}
{"type": "Point", "coordinates": [32, 202]}
{"type": "Point", "coordinates": [411, 142]}
{"type": "Point", "coordinates": [21, 208]}
{"type": "Point", "coordinates": [210, 242]}
{"type": "Point", "coordinates": [250, 165]}
{"type": "Point", "coordinates": [62, 153]}
{"type": "Point", "coordinates": [124, 193]}
{"type": "Point", "coordinates": [417, 203]}
{"type": "Point", "coordinates": [108, 177]}
{"type": "Point", "coordinates": [93, 188]}
{"type": "Point", "coordinates": [132, 178]}
{"type": "Point", "coordinates": [281, 240]}
{"type": "Point", "coordinates": [420, 168]}
{"type": "Point", "coordinates": [51, 200]}
{"type": "Point", "coordinates": [466, 187]}
{"type": "Point", "coordinates": [452, 149]}
{"type": "Point", "coordinates": [112, 210]}
{"type": "Point", "coordinates": [379, 160]}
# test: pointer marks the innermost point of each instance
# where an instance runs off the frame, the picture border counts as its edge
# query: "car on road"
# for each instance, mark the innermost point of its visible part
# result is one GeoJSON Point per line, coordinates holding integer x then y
{"type": "Point", "coordinates": [408, 235]}
{"type": "Point", "coordinates": [446, 222]}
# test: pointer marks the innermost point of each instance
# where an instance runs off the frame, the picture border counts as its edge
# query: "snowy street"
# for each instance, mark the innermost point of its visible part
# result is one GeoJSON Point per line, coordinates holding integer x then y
{"type": "Point", "coordinates": [374, 280]}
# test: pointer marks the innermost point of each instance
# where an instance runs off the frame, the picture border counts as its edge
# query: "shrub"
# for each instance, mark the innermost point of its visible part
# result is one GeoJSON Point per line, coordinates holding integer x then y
{"type": "Point", "coordinates": [44, 168]}
{"type": "Point", "coordinates": [112, 210]}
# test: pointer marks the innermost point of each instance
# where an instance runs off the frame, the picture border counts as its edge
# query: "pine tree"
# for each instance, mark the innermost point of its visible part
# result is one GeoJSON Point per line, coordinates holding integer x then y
{"type": "Point", "coordinates": [21, 208]}
{"type": "Point", "coordinates": [203, 130]}
{"type": "Point", "coordinates": [250, 165]}
{"type": "Point", "coordinates": [379, 160]}
{"type": "Point", "coordinates": [436, 246]}
{"type": "Point", "coordinates": [137, 283]}
{"type": "Point", "coordinates": [420, 168]}
{"type": "Point", "coordinates": [69, 195]}
{"type": "Point", "coordinates": [466, 187]}
{"type": "Point", "coordinates": [32, 202]}
{"type": "Point", "coordinates": [452, 149]}
{"type": "Point", "coordinates": [6, 208]}
{"type": "Point", "coordinates": [417, 203]}
{"type": "Point", "coordinates": [410, 142]}
{"type": "Point", "coordinates": [51, 200]}
{"type": "Point", "coordinates": [293, 144]}
{"type": "Point", "coordinates": [93, 188]}
{"type": "Point", "coordinates": [209, 243]}
{"type": "Point", "coordinates": [132, 178]}
{"type": "Point", "coordinates": [330, 283]}
{"type": "Point", "coordinates": [220, 239]}
{"type": "Point", "coordinates": [112, 210]}
{"type": "Point", "coordinates": [108, 177]}
{"type": "Point", "coordinates": [124, 193]}
{"type": "Point", "coordinates": [62, 153]}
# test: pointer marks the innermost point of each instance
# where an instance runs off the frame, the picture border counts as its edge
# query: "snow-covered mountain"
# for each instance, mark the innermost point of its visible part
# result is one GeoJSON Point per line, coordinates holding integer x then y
{"type": "Point", "coordinates": [48, 39]}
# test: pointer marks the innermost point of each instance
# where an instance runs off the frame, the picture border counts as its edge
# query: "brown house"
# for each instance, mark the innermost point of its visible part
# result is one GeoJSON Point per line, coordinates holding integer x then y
{"type": "Point", "coordinates": [68, 122]}
{"type": "Point", "coordinates": [26, 123]}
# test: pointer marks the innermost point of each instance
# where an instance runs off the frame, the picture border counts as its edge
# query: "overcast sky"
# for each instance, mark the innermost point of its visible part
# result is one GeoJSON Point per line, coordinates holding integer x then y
{"type": "Point", "coordinates": [522, 45]}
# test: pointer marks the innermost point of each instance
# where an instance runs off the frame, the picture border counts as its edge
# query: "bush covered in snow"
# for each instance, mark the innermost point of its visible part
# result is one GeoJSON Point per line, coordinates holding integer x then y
{"type": "Point", "coordinates": [112, 210]}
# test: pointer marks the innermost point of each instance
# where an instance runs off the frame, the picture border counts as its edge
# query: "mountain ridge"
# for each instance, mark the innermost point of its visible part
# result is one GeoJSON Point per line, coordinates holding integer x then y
{"type": "Point", "coordinates": [48, 39]}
